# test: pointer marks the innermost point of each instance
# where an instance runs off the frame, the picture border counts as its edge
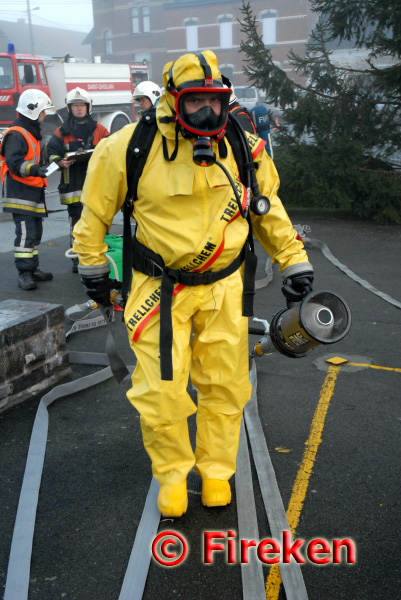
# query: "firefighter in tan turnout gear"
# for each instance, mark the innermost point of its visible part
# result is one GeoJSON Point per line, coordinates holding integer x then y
{"type": "Point", "coordinates": [189, 220]}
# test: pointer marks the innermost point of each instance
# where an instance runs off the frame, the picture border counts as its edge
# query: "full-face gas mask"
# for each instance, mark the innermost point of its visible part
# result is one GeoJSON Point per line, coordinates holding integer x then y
{"type": "Point", "coordinates": [203, 111]}
{"type": "Point", "coordinates": [201, 105]}
{"type": "Point", "coordinates": [203, 115]}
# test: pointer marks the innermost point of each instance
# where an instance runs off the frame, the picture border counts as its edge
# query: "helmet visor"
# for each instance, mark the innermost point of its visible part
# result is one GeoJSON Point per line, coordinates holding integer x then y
{"type": "Point", "coordinates": [203, 111]}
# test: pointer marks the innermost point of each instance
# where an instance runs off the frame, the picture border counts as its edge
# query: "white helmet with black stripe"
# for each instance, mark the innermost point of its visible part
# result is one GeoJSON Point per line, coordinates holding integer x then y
{"type": "Point", "coordinates": [147, 89]}
{"type": "Point", "coordinates": [32, 102]}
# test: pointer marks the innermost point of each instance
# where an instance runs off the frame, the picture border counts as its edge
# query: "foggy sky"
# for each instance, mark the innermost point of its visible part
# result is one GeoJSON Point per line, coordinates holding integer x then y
{"type": "Point", "coordinates": [63, 14]}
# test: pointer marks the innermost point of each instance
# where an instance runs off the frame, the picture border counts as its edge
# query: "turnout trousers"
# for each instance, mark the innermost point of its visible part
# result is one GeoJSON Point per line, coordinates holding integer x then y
{"type": "Point", "coordinates": [210, 344]}
{"type": "Point", "coordinates": [28, 234]}
{"type": "Point", "coordinates": [74, 214]}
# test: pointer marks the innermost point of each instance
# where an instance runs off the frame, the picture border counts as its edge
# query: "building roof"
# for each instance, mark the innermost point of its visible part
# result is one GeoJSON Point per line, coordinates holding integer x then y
{"type": "Point", "coordinates": [90, 37]}
{"type": "Point", "coordinates": [48, 41]}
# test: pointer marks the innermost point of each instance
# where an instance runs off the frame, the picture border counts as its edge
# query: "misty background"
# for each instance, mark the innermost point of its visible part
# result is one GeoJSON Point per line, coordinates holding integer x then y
{"type": "Point", "coordinates": [63, 14]}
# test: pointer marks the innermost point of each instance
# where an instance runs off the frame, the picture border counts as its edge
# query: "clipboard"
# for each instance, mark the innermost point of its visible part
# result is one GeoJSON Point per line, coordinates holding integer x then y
{"type": "Point", "coordinates": [80, 155]}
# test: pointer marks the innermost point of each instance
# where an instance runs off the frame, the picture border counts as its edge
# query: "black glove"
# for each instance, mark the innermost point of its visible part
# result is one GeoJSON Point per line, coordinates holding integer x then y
{"type": "Point", "coordinates": [41, 172]}
{"type": "Point", "coordinates": [297, 286]}
{"type": "Point", "coordinates": [98, 288]}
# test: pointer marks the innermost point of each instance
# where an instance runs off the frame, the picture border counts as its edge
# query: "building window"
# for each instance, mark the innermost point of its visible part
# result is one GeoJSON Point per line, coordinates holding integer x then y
{"type": "Point", "coordinates": [145, 19]}
{"type": "Point", "coordinates": [108, 44]}
{"type": "Point", "coordinates": [269, 19]}
{"type": "Point", "coordinates": [191, 28]}
{"type": "Point", "coordinates": [135, 20]}
{"type": "Point", "coordinates": [226, 31]}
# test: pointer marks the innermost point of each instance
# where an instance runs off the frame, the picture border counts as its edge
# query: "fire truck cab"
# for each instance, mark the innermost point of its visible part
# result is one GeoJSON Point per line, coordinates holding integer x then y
{"type": "Point", "coordinates": [18, 72]}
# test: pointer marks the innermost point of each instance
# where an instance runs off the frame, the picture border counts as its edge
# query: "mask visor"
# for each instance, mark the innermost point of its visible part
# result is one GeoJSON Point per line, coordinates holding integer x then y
{"type": "Point", "coordinates": [201, 114]}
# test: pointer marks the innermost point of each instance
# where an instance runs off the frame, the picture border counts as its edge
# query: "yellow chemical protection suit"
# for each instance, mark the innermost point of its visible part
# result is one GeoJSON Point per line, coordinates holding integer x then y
{"type": "Point", "coordinates": [188, 215]}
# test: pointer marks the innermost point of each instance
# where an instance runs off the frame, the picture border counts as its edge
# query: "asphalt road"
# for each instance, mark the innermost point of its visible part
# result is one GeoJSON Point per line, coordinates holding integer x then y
{"type": "Point", "coordinates": [97, 474]}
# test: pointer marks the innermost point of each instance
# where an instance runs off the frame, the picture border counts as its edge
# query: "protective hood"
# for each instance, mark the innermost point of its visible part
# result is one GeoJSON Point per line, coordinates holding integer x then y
{"type": "Point", "coordinates": [192, 72]}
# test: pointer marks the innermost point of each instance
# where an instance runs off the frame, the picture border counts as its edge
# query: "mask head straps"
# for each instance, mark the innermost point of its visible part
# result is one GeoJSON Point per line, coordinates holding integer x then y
{"type": "Point", "coordinates": [170, 87]}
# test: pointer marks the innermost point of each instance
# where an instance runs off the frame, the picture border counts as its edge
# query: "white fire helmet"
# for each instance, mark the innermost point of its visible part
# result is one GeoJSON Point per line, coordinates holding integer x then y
{"type": "Point", "coordinates": [233, 97]}
{"type": "Point", "coordinates": [32, 102]}
{"type": "Point", "coordinates": [78, 95]}
{"type": "Point", "coordinates": [147, 89]}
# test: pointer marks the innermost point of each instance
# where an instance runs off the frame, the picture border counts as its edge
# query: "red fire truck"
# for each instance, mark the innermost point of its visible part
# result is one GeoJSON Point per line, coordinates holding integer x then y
{"type": "Point", "coordinates": [110, 87]}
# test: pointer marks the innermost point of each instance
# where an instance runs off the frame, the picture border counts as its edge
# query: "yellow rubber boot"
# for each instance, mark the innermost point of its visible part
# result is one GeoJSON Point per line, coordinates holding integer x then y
{"type": "Point", "coordinates": [173, 499]}
{"type": "Point", "coordinates": [215, 492]}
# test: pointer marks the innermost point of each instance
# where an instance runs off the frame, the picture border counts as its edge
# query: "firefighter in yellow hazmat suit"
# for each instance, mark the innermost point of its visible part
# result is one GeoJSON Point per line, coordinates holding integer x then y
{"type": "Point", "coordinates": [188, 220]}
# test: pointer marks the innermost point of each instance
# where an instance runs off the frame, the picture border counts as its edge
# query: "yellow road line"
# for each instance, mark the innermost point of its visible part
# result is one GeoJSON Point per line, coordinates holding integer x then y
{"type": "Point", "coordinates": [300, 487]}
{"type": "Point", "coordinates": [304, 472]}
{"type": "Point", "coordinates": [352, 364]}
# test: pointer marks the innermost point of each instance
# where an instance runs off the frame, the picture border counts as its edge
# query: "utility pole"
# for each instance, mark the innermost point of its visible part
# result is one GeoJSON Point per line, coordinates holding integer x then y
{"type": "Point", "coordinates": [30, 27]}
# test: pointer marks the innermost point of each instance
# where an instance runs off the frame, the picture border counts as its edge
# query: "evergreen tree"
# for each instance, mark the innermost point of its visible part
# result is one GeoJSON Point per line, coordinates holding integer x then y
{"type": "Point", "coordinates": [340, 140]}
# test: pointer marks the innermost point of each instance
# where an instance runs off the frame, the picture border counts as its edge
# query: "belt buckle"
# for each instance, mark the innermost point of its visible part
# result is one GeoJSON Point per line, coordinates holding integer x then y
{"type": "Point", "coordinates": [207, 275]}
{"type": "Point", "coordinates": [156, 268]}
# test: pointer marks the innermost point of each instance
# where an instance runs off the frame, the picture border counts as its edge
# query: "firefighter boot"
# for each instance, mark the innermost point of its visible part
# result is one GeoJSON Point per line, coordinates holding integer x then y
{"type": "Point", "coordinates": [215, 492]}
{"type": "Point", "coordinates": [26, 280]}
{"type": "Point", "coordinates": [39, 275]}
{"type": "Point", "coordinates": [173, 499]}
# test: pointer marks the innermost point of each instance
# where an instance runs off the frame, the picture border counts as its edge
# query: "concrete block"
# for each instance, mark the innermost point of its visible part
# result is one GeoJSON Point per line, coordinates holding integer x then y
{"type": "Point", "coordinates": [20, 319]}
{"type": "Point", "coordinates": [61, 341]}
{"type": "Point", "coordinates": [5, 392]}
{"type": "Point", "coordinates": [14, 360]}
{"type": "Point", "coordinates": [55, 315]}
{"type": "Point", "coordinates": [34, 391]}
{"type": "Point", "coordinates": [39, 347]}
{"type": "Point", "coordinates": [33, 355]}
{"type": "Point", "coordinates": [3, 364]}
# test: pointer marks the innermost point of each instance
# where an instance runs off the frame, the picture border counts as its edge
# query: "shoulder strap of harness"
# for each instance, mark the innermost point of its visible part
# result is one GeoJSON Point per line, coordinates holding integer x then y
{"type": "Point", "coordinates": [137, 154]}
{"type": "Point", "coordinates": [240, 154]}
{"type": "Point", "coordinates": [243, 157]}
{"type": "Point", "coordinates": [138, 149]}
{"type": "Point", "coordinates": [239, 111]}
{"type": "Point", "coordinates": [238, 141]}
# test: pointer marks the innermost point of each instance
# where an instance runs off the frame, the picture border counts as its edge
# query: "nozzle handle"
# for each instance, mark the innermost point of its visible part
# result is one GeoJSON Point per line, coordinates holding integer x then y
{"type": "Point", "coordinates": [256, 331]}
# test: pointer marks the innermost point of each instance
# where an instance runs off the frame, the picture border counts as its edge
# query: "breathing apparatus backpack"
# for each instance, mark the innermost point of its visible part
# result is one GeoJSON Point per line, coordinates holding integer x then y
{"type": "Point", "coordinates": [245, 118]}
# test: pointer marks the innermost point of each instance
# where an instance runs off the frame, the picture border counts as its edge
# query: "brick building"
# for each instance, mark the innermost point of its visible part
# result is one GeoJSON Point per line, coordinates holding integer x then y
{"type": "Point", "coordinates": [152, 32]}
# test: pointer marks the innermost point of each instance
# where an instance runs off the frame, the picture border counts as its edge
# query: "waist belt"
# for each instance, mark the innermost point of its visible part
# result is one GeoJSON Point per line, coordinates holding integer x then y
{"type": "Point", "coordinates": [148, 262]}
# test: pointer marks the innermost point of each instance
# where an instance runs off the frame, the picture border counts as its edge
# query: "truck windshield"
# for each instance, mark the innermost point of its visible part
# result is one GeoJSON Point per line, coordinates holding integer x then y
{"type": "Point", "coordinates": [6, 73]}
